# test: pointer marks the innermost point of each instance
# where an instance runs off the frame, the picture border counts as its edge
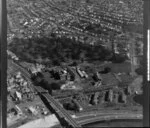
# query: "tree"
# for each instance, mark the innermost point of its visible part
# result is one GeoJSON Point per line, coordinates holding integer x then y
{"type": "Point", "coordinates": [112, 37]}
{"type": "Point", "coordinates": [56, 62]}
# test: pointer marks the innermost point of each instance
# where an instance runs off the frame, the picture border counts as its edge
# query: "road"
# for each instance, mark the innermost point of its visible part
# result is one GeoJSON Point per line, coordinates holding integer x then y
{"type": "Point", "coordinates": [85, 118]}
{"type": "Point", "coordinates": [51, 100]}
{"type": "Point", "coordinates": [19, 68]}
{"type": "Point", "coordinates": [58, 108]}
{"type": "Point", "coordinates": [109, 116]}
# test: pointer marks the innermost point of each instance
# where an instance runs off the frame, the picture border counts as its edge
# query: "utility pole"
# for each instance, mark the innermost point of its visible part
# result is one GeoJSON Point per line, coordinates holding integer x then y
{"type": "Point", "coordinates": [3, 64]}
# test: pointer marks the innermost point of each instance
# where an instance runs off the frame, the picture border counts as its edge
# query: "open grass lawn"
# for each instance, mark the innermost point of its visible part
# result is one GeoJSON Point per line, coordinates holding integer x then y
{"type": "Point", "coordinates": [119, 67]}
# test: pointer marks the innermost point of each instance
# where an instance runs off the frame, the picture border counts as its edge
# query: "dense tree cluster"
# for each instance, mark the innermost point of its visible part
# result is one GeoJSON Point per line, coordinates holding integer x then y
{"type": "Point", "coordinates": [53, 51]}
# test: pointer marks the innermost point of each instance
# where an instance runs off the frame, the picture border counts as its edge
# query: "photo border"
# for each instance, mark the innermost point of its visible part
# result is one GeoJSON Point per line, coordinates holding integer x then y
{"type": "Point", "coordinates": [3, 64]}
{"type": "Point", "coordinates": [146, 83]}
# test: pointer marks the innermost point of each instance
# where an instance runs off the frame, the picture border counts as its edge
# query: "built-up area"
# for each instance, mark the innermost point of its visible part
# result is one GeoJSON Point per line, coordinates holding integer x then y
{"type": "Point", "coordinates": [74, 58]}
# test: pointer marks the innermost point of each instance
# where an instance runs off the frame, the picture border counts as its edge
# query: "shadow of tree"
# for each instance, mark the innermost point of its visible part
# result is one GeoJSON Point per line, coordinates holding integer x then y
{"type": "Point", "coordinates": [55, 50]}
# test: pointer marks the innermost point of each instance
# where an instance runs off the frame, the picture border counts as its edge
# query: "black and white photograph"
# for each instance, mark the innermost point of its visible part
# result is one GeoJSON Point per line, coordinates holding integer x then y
{"type": "Point", "coordinates": [74, 63]}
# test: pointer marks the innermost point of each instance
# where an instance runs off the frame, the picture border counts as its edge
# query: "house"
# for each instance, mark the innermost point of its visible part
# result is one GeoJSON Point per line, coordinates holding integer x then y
{"type": "Point", "coordinates": [71, 73]}
{"type": "Point", "coordinates": [97, 77]}
{"type": "Point", "coordinates": [33, 110]}
{"type": "Point", "coordinates": [18, 95]}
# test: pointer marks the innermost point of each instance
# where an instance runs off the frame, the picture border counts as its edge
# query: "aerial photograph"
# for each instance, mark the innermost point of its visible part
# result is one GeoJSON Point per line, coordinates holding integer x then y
{"type": "Point", "coordinates": [74, 63]}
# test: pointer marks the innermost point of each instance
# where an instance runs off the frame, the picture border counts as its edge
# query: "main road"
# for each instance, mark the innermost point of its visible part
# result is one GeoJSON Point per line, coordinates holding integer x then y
{"type": "Point", "coordinates": [109, 116]}
{"type": "Point", "coordinates": [55, 104]}
{"type": "Point", "coordinates": [82, 119]}
{"type": "Point", "coordinates": [59, 109]}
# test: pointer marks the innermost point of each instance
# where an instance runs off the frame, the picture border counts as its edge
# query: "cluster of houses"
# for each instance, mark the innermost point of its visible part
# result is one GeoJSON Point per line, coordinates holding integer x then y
{"type": "Point", "coordinates": [19, 88]}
